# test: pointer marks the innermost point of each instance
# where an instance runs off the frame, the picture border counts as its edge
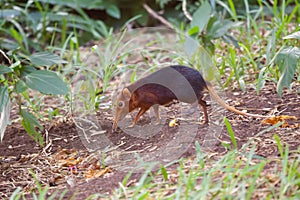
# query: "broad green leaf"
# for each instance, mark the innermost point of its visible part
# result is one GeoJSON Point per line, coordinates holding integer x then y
{"type": "Point", "coordinates": [113, 11]}
{"type": "Point", "coordinates": [4, 110]}
{"type": "Point", "coordinates": [287, 61]}
{"type": "Point", "coordinates": [30, 122]}
{"type": "Point", "coordinates": [295, 35]}
{"type": "Point", "coordinates": [3, 97]}
{"type": "Point", "coordinates": [219, 28]}
{"type": "Point", "coordinates": [45, 59]}
{"type": "Point", "coordinates": [190, 46]}
{"type": "Point", "coordinates": [27, 69]}
{"type": "Point", "coordinates": [194, 49]}
{"type": "Point", "coordinates": [4, 119]}
{"type": "Point", "coordinates": [4, 69]}
{"type": "Point", "coordinates": [20, 87]}
{"type": "Point", "coordinates": [76, 3]}
{"type": "Point", "coordinates": [209, 71]}
{"type": "Point", "coordinates": [6, 13]}
{"type": "Point", "coordinates": [193, 30]}
{"type": "Point", "coordinates": [201, 16]}
{"type": "Point", "coordinates": [46, 82]}
{"type": "Point", "coordinates": [31, 118]}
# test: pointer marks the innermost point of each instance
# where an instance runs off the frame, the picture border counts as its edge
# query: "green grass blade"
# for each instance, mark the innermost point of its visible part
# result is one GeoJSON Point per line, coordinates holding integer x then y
{"type": "Point", "coordinates": [230, 132]}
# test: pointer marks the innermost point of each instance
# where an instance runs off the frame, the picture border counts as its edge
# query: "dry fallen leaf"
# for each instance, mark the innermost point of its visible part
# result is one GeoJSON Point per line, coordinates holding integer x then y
{"type": "Point", "coordinates": [281, 118]}
{"type": "Point", "coordinates": [272, 177]}
{"type": "Point", "coordinates": [68, 158]}
{"type": "Point", "coordinates": [72, 161]}
{"type": "Point", "coordinates": [92, 173]}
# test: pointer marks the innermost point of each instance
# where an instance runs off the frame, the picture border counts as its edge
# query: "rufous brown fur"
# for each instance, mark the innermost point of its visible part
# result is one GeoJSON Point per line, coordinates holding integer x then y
{"type": "Point", "coordinates": [161, 88]}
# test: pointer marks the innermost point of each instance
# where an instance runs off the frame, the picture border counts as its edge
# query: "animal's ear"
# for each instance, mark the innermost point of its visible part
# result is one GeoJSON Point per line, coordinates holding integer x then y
{"type": "Point", "coordinates": [126, 94]}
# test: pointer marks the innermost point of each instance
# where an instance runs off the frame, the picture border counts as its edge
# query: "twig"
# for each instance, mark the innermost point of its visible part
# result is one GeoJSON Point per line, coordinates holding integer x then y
{"type": "Point", "coordinates": [5, 56]}
{"type": "Point", "coordinates": [158, 17]}
{"type": "Point", "coordinates": [186, 13]}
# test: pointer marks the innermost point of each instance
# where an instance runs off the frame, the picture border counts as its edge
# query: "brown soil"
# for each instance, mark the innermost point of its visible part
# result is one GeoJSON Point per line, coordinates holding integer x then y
{"type": "Point", "coordinates": [65, 149]}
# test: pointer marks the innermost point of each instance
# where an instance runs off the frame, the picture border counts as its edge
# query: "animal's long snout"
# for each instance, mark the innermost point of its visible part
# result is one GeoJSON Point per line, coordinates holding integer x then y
{"type": "Point", "coordinates": [115, 123]}
{"type": "Point", "coordinates": [119, 116]}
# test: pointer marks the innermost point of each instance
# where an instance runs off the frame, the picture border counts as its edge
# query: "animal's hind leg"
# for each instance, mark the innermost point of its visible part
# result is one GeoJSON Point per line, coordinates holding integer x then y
{"type": "Point", "coordinates": [203, 105]}
{"type": "Point", "coordinates": [156, 112]}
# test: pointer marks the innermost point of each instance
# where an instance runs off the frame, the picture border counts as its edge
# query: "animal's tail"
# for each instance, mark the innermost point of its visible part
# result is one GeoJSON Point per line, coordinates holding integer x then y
{"type": "Point", "coordinates": [216, 97]}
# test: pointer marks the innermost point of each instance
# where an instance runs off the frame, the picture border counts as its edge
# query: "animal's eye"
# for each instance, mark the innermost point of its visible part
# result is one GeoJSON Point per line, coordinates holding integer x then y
{"type": "Point", "coordinates": [121, 104]}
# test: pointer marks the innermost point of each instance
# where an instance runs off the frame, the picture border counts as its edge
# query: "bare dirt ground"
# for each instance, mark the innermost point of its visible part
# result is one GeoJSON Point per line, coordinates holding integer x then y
{"type": "Point", "coordinates": [64, 162]}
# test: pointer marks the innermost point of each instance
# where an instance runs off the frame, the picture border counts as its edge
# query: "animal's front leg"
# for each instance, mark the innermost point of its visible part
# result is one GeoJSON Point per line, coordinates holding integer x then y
{"type": "Point", "coordinates": [137, 117]}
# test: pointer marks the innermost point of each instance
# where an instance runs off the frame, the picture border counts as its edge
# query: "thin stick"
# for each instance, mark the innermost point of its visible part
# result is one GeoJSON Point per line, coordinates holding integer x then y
{"type": "Point", "coordinates": [5, 56]}
{"type": "Point", "coordinates": [158, 17]}
{"type": "Point", "coordinates": [186, 13]}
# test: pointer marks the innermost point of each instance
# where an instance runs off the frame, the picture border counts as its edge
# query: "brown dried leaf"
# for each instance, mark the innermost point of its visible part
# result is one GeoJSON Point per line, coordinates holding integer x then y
{"type": "Point", "coordinates": [281, 118]}
{"type": "Point", "coordinates": [92, 173]}
{"type": "Point", "coordinates": [69, 162]}
{"type": "Point", "coordinates": [64, 153]}
{"type": "Point", "coordinates": [272, 177]}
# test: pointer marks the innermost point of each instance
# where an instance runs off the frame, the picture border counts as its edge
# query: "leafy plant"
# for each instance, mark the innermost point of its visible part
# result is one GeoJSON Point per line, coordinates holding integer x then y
{"type": "Point", "coordinates": [287, 60]}
{"type": "Point", "coordinates": [21, 75]}
{"type": "Point", "coordinates": [206, 25]}
{"type": "Point", "coordinates": [282, 65]}
{"type": "Point", "coordinates": [44, 18]}
{"type": "Point", "coordinates": [4, 110]}
{"type": "Point", "coordinates": [32, 26]}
